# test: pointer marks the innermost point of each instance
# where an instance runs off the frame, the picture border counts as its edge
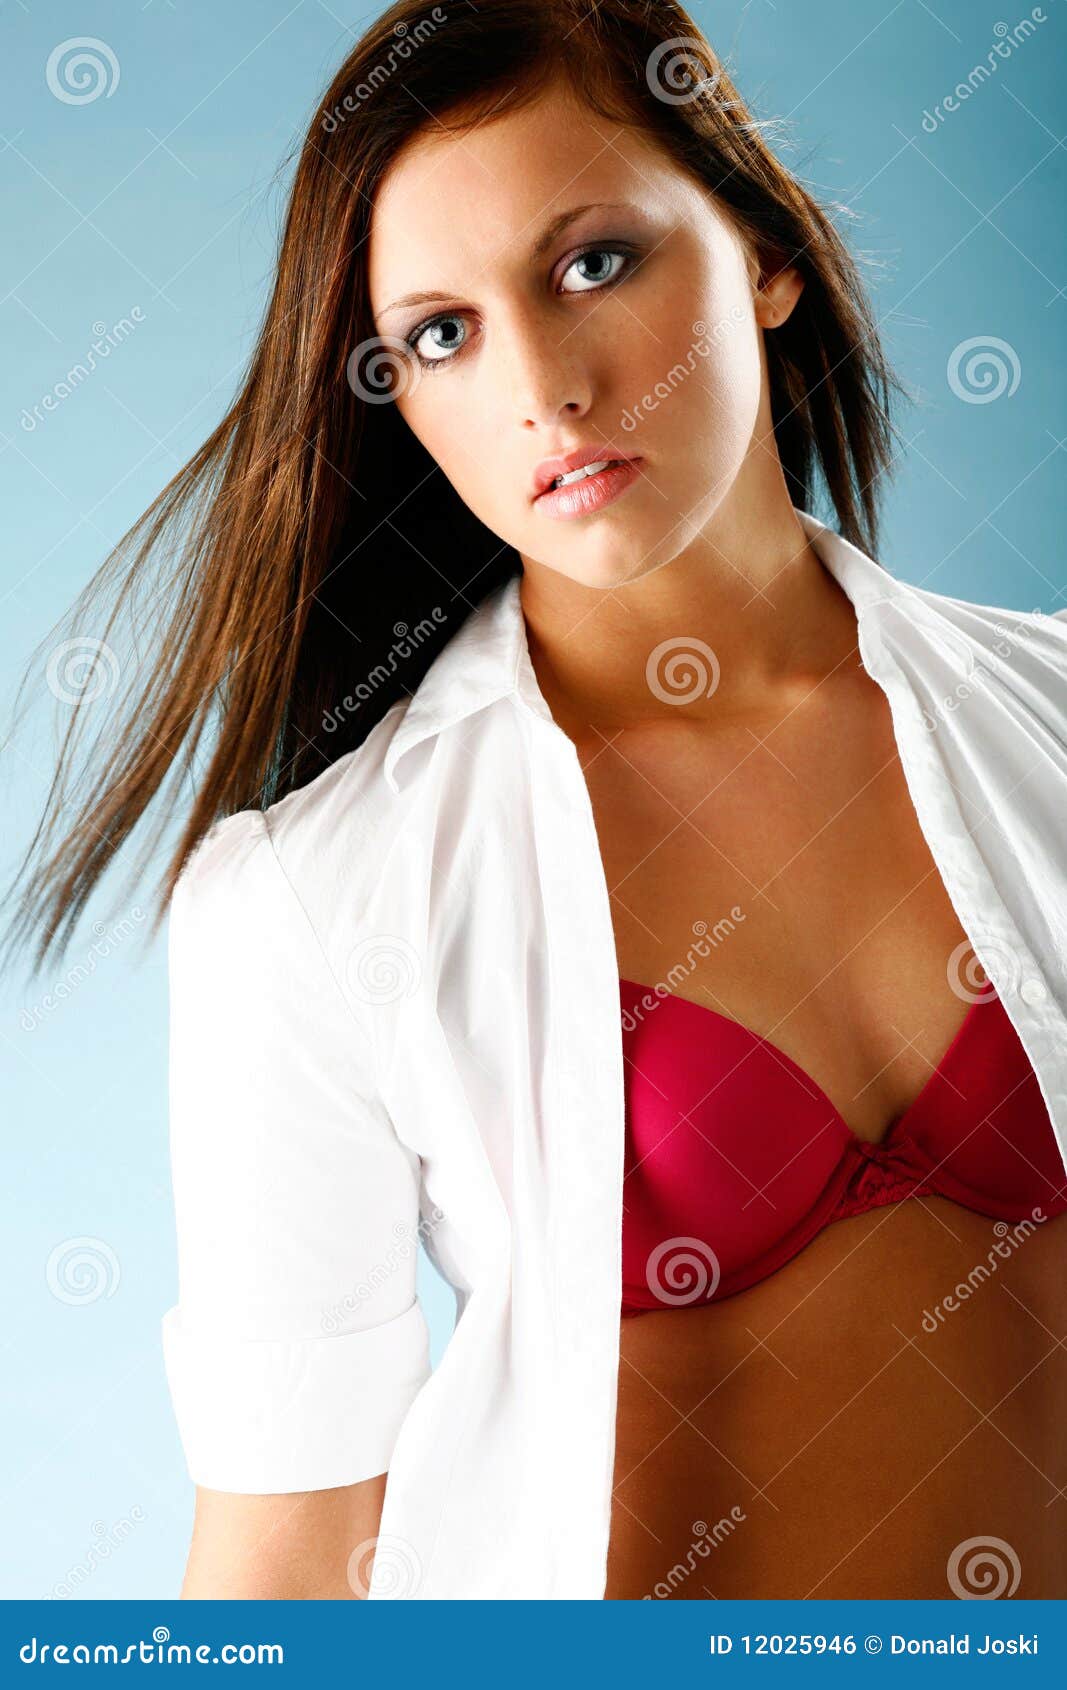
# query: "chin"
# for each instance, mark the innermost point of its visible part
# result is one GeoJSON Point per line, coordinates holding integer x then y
{"type": "Point", "coordinates": [609, 575]}
{"type": "Point", "coordinates": [612, 572]}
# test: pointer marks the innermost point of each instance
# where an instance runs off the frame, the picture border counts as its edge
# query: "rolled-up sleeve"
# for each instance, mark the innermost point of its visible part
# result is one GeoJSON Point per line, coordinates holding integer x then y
{"type": "Point", "coordinates": [297, 1343]}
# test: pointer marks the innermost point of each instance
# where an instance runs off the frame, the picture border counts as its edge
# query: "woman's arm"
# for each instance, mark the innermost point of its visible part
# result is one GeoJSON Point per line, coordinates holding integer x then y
{"type": "Point", "coordinates": [306, 1545]}
{"type": "Point", "coordinates": [297, 1344]}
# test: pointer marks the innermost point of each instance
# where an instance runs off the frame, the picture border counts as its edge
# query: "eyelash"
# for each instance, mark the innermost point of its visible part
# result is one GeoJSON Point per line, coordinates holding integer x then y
{"type": "Point", "coordinates": [433, 365]}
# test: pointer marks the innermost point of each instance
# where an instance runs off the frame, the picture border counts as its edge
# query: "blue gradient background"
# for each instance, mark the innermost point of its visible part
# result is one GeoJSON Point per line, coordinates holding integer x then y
{"type": "Point", "coordinates": [162, 197]}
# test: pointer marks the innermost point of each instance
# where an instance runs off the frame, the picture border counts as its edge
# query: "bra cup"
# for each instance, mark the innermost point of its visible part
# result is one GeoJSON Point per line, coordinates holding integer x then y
{"type": "Point", "coordinates": [983, 1130]}
{"type": "Point", "coordinates": [726, 1150]}
{"type": "Point", "coordinates": [735, 1158]}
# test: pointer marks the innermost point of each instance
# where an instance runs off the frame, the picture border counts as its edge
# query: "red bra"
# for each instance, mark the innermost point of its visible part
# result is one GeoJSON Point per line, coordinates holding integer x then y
{"type": "Point", "coordinates": [735, 1158]}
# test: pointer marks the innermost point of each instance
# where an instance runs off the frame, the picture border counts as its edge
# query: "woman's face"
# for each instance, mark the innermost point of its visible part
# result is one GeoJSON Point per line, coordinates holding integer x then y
{"type": "Point", "coordinates": [586, 293]}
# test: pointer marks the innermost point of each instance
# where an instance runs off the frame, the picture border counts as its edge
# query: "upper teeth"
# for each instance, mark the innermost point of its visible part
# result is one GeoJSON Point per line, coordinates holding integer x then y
{"type": "Point", "coordinates": [587, 469]}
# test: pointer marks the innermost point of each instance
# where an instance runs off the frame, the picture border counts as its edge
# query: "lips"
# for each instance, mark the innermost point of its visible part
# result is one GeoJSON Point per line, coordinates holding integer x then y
{"type": "Point", "coordinates": [549, 469]}
{"type": "Point", "coordinates": [582, 474]}
{"type": "Point", "coordinates": [589, 493]}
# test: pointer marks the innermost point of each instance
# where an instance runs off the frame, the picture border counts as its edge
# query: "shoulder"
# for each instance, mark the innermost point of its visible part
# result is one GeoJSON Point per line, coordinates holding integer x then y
{"type": "Point", "coordinates": [311, 856]}
{"type": "Point", "coordinates": [1044, 629]}
{"type": "Point", "coordinates": [991, 679]}
{"type": "Point", "coordinates": [931, 630]}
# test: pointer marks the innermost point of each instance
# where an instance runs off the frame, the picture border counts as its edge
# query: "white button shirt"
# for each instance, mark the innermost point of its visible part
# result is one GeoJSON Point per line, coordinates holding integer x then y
{"type": "Point", "coordinates": [395, 1018]}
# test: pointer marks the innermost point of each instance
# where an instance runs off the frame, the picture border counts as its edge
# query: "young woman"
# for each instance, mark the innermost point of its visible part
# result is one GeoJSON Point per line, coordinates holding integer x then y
{"type": "Point", "coordinates": [603, 873]}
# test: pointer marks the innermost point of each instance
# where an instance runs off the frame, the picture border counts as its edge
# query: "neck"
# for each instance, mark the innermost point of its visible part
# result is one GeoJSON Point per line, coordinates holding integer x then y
{"type": "Point", "coordinates": [743, 622]}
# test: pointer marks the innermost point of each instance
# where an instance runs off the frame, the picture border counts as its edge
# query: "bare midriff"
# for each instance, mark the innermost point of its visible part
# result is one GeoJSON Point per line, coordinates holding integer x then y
{"type": "Point", "coordinates": [883, 1417]}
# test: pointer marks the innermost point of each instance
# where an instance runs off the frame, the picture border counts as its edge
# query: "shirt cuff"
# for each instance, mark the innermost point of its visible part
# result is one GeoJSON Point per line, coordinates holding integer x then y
{"type": "Point", "coordinates": [261, 1416]}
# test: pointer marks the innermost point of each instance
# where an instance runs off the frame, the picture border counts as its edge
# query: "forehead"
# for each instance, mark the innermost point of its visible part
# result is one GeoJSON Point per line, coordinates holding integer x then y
{"type": "Point", "coordinates": [451, 204]}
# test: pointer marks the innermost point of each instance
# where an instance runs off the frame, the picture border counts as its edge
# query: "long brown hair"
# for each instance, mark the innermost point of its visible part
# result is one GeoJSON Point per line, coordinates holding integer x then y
{"type": "Point", "coordinates": [283, 569]}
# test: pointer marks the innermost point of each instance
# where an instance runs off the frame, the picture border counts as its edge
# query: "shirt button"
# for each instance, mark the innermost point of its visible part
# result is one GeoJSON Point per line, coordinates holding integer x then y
{"type": "Point", "coordinates": [1032, 992]}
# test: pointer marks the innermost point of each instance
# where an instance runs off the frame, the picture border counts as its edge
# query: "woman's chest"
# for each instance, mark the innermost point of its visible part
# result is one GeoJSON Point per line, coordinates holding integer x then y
{"type": "Point", "coordinates": [786, 883]}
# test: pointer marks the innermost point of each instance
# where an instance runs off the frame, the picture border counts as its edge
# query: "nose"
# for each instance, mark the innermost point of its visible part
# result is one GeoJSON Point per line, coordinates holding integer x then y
{"type": "Point", "coordinates": [544, 375]}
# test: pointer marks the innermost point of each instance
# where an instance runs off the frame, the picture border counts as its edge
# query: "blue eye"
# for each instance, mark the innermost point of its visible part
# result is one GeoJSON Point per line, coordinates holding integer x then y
{"type": "Point", "coordinates": [431, 328]}
{"type": "Point", "coordinates": [595, 252]}
{"type": "Point", "coordinates": [451, 345]}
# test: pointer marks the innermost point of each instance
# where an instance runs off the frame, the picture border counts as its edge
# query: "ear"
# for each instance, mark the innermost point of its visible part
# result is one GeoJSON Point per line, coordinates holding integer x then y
{"type": "Point", "coordinates": [773, 302]}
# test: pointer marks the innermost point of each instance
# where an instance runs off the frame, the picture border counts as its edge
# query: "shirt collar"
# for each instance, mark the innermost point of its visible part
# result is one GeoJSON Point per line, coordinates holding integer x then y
{"type": "Point", "coordinates": [488, 657]}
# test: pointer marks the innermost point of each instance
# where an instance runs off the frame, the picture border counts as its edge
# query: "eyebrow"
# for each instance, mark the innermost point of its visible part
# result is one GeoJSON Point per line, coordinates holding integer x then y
{"type": "Point", "coordinates": [538, 250]}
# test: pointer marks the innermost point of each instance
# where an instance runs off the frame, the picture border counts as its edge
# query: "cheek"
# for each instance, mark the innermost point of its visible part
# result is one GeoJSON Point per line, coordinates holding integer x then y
{"type": "Point", "coordinates": [703, 362]}
{"type": "Point", "coordinates": [452, 424]}
{"type": "Point", "coordinates": [734, 375]}
{"type": "Point", "coordinates": [707, 391]}
{"type": "Point", "coordinates": [443, 428]}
